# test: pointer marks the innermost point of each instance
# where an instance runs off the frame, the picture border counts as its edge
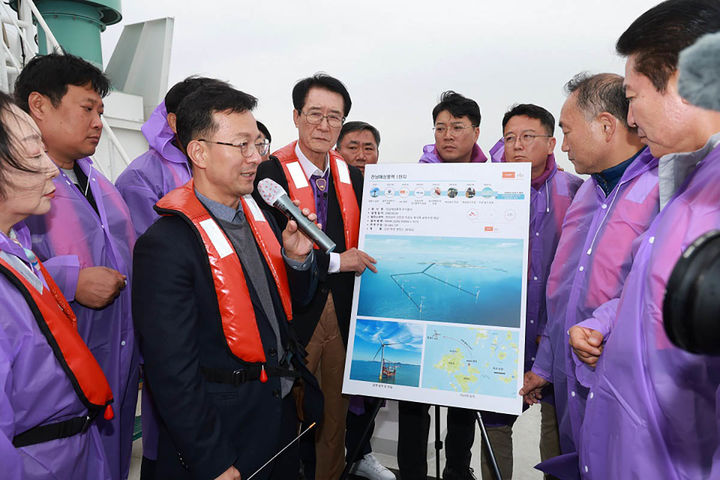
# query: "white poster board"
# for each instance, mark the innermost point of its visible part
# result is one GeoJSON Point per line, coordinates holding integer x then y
{"type": "Point", "coordinates": [443, 320]}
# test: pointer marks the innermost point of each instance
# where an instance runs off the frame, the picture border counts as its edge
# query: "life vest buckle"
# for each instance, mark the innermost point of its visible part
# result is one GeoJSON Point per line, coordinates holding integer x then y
{"type": "Point", "coordinates": [88, 422]}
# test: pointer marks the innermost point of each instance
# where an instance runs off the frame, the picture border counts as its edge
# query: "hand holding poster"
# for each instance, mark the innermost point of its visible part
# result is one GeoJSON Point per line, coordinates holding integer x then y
{"type": "Point", "coordinates": [443, 320]}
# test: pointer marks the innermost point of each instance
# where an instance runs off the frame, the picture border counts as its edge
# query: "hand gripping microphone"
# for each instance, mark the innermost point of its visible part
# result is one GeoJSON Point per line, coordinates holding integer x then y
{"type": "Point", "coordinates": [275, 196]}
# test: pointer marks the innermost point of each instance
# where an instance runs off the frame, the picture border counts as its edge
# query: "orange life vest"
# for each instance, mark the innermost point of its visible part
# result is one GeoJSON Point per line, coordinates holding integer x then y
{"type": "Point", "coordinates": [236, 308]}
{"type": "Point", "coordinates": [58, 324]}
{"type": "Point", "coordinates": [300, 189]}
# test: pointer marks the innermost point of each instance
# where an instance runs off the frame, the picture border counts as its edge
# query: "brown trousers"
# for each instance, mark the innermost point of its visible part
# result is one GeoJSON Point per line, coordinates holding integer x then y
{"type": "Point", "coordinates": [326, 360]}
{"type": "Point", "coordinates": [501, 441]}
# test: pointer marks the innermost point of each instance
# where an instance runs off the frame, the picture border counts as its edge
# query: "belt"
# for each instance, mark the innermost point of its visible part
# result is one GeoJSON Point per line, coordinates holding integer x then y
{"type": "Point", "coordinates": [247, 374]}
{"type": "Point", "coordinates": [53, 431]}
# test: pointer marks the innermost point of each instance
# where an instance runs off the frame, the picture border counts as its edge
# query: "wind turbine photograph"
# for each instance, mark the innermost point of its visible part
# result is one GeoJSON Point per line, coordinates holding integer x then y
{"type": "Point", "coordinates": [387, 352]}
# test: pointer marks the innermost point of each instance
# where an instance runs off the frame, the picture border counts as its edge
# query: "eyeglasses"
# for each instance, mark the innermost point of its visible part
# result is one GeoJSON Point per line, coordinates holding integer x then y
{"type": "Point", "coordinates": [455, 129]}
{"type": "Point", "coordinates": [525, 138]}
{"type": "Point", "coordinates": [262, 147]}
{"type": "Point", "coordinates": [316, 118]}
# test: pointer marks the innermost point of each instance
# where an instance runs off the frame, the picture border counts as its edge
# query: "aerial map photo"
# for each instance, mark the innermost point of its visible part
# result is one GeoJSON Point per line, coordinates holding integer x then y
{"type": "Point", "coordinates": [419, 278]}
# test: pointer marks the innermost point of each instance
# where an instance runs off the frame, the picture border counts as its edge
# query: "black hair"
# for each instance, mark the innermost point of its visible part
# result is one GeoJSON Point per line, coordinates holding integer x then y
{"type": "Point", "coordinates": [603, 92]}
{"type": "Point", "coordinates": [184, 88]}
{"type": "Point", "coordinates": [264, 130]}
{"type": "Point", "coordinates": [320, 80]}
{"type": "Point", "coordinates": [659, 35]}
{"type": "Point", "coordinates": [350, 127]}
{"type": "Point", "coordinates": [10, 156]}
{"type": "Point", "coordinates": [532, 111]}
{"type": "Point", "coordinates": [458, 106]}
{"type": "Point", "coordinates": [51, 74]}
{"type": "Point", "coordinates": [195, 113]}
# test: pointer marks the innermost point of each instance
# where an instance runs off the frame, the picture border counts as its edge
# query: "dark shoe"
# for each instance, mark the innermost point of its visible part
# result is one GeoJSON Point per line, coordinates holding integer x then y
{"type": "Point", "coordinates": [452, 474]}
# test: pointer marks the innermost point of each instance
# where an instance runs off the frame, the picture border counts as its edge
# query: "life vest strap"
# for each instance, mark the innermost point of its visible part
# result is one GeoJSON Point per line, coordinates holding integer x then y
{"type": "Point", "coordinates": [54, 431]}
{"type": "Point", "coordinates": [246, 374]}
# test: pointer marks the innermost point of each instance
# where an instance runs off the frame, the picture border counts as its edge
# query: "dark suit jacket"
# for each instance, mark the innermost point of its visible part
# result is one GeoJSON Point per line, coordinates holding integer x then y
{"type": "Point", "coordinates": [340, 284]}
{"type": "Point", "coordinates": [206, 427]}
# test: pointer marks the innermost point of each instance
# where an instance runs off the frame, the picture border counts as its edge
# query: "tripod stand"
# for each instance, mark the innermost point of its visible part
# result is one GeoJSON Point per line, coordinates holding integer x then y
{"type": "Point", "coordinates": [438, 444]}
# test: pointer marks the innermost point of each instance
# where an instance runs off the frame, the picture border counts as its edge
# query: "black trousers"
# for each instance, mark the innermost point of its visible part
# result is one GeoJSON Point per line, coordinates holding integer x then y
{"type": "Point", "coordinates": [413, 430]}
{"type": "Point", "coordinates": [355, 426]}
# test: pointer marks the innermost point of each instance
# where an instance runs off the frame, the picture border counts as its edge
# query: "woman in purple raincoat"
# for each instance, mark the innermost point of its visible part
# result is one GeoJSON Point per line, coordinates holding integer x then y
{"type": "Point", "coordinates": [35, 389]}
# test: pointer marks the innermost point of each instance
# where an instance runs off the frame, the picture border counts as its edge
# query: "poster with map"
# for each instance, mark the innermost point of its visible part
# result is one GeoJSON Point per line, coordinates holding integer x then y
{"type": "Point", "coordinates": [443, 320]}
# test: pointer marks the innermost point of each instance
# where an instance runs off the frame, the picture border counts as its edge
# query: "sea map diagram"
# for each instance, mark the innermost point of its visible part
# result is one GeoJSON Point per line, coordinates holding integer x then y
{"type": "Point", "coordinates": [474, 281]}
{"type": "Point", "coordinates": [471, 360]}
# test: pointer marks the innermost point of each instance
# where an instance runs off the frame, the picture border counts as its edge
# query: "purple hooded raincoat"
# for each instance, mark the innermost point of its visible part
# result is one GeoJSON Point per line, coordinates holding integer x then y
{"type": "Point", "coordinates": [593, 258]}
{"type": "Point", "coordinates": [154, 173]}
{"type": "Point", "coordinates": [430, 155]}
{"type": "Point", "coordinates": [652, 411]}
{"type": "Point", "coordinates": [550, 197]}
{"type": "Point", "coordinates": [146, 180]}
{"type": "Point", "coordinates": [72, 236]}
{"type": "Point", "coordinates": [34, 390]}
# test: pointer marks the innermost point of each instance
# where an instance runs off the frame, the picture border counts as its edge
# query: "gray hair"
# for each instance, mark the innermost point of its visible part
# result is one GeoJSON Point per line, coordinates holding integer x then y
{"type": "Point", "coordinates": [603, 92]}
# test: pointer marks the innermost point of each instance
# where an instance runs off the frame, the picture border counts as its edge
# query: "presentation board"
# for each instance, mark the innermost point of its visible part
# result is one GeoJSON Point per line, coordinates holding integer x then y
{"type": "Point", "coordinates": [443, 320]}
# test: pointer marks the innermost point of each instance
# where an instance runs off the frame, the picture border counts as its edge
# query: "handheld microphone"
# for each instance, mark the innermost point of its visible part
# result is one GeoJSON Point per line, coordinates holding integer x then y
{"type": "Point", "coordinates": [275, 196]}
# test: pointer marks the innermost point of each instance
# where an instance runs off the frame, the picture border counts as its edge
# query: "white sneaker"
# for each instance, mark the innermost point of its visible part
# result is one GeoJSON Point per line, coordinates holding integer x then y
{"type": "Point", "coordinates": [370, 468]}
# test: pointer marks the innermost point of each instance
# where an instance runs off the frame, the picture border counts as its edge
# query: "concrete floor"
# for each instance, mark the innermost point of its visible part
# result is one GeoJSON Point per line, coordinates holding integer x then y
{"type": "Point", "coordinates": [526, 436]}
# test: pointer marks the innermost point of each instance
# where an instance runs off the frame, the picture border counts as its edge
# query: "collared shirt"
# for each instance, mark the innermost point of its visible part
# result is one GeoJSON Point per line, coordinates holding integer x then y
{"type": "Point", "coordinates": [674, 168]}
{"type": "Point", "coordinates": [230, 215]}
{"type": "Point", "coordinates": [608, 178]}
{"type": "Point", "coordinates": [310, 169]}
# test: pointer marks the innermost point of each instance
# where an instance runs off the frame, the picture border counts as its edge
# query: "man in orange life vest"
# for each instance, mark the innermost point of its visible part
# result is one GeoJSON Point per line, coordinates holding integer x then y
{"type": "Point", "coordinates": [318, 176]}
{"type": "Point", "coordinates": [212, 301]}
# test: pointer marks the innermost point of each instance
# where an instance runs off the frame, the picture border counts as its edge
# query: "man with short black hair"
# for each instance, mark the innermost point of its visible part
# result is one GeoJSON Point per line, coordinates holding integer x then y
{"type": "Point", "coordinates": [147, 179]}
{"type": "Point", "coordinates": [609, 213]}
{"type": "Point", "coordinates": [359, 144]}
{"type": "Point", "coordinates": [652, 409]}
{"type": "Point", "coordinates": [86, 238]}
{"type": "Point", "coordinates": [214, 281]}
{"type": "Point", "coordinates": [528, 136]}
{"type": "Point", "coordinates": [318, 176]}
{"type": "Point", "coordinates": [456, 121]}
{"type": "Point", "coordinates": [164, 166]}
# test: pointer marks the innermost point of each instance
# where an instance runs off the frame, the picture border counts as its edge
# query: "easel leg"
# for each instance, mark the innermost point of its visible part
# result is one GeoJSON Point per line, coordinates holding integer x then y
{"type": "Point", "coordinates": [486, 441]}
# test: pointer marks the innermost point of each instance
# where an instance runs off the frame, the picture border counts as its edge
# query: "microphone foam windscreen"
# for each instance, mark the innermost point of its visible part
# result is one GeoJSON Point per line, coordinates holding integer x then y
{"type": "Point", "coordinates": [699, 68]}
{"type": "Point", "coordinates": [270, 190]}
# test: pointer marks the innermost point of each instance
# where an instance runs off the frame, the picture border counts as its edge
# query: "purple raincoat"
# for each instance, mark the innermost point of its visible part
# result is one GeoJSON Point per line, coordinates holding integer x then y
{"type": "Point", "coordinates": [430, 155]}
{"type": "Point", "coordinates": [593, 258]}
{"type": "Point", "coordinates": [154, 173]}
{"type": "Point", "coordinates": [550, 197]}
{"type": "Point", "coordinates": [34, 390]}
{"type": "Point", "coordinates": [145, 181]}
{"type": "Point", "coordinates": [653, 408]}
{"type": "Point", "coordinates": [72, 236]}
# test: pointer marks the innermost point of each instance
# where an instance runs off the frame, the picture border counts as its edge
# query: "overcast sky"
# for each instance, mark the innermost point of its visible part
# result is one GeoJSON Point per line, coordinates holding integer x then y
{"type": "Point", "coordinates": [395, 57]}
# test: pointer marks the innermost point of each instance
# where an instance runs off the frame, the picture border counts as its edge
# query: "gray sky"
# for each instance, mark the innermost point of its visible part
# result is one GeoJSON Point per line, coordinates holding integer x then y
{"type": "Point", "coordinates": [395, 57]}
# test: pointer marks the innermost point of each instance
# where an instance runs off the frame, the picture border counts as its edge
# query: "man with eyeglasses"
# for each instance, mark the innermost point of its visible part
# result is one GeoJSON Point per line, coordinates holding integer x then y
{"type": "Point", "coordinates": [265, 136]}
{"type": "Point", "coordinates": [457, 127]}
{"type": "Point", "coordinates": [212, 292]}
{"type": "Point", "coordinates": [320, 179]}
{"type": "Point", "coordinates": [610, 211]}
{"type": "Point", "coordinates": [456, 122]}
{"type": "Point", "coordinates": [528, 137]}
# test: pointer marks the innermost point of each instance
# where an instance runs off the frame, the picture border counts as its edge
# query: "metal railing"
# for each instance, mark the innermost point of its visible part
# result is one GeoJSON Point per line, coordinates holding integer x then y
{"type": "Point", "coordinates": [22, 26]}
